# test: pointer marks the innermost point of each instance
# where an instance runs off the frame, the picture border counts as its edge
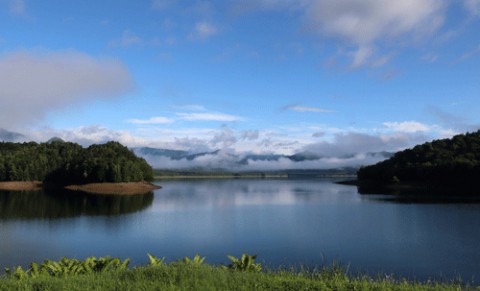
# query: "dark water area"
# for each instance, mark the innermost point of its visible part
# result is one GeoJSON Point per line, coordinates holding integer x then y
{"type": "Point", "coordinates": [299, 223]}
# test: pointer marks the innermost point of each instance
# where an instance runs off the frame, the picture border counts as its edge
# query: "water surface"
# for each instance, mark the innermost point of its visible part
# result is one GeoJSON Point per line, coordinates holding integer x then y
{"type": "Point", "coordinates": [286, 222]}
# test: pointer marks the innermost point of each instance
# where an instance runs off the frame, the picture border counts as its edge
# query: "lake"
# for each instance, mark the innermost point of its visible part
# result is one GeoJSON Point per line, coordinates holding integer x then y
{"type": "Point", "coordinates": [299, 223]}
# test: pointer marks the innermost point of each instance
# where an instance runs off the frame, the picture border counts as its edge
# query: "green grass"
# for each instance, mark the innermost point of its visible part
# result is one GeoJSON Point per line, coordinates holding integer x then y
{"type": "Point", "coordinates": [187, 276]}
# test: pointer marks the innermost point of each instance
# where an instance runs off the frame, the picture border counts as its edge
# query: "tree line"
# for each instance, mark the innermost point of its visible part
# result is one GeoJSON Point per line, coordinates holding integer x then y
{"type": "Point", "coordinates": [65, 163]}
{"type": "Point", "coordinates": [445, 160]}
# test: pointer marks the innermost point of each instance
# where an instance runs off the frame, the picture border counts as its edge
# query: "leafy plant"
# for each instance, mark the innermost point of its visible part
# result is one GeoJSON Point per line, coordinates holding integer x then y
{"type": "Point", "coordinates": [155, 261]}
{"type": "Point", "coordinates": [69, 267]}
{"type": "Point", "coordinates": [197, 260]}
{"type": "Point", "coordinates": [18, 273]}
{"type": "Point", "coordinates": [93, 264]}
{"type": "Point", "coordinates": [245, 264]}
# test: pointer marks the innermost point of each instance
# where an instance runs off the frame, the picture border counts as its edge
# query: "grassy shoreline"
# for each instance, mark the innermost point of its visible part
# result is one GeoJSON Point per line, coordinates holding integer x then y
{"type": "Point", "coordinates": [192, 274]}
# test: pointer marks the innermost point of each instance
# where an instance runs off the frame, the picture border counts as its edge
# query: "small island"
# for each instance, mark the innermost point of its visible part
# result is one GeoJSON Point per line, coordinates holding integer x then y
{"type": "Point", "coordinates": [445, 163]}
{"type": "Point", "coordinates": [109, 168]}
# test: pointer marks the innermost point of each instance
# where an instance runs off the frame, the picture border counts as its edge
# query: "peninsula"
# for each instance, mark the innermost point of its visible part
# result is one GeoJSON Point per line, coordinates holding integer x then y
{"type": "Point", "coordinates": [445, 162]}
{"type": "Point", "coordinates": [109, 168]}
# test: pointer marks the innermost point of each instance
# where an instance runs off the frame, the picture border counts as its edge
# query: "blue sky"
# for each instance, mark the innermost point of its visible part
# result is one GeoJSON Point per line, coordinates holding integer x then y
{"type": "Point", "coordinates": [251, 76]}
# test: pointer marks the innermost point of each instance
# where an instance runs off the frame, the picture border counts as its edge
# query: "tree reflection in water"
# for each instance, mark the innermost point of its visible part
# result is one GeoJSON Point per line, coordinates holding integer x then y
{"type": "Point", "coordinates": [62, 204]}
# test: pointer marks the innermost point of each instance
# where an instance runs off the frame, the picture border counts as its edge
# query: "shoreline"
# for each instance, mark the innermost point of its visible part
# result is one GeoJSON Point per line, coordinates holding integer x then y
{"type": "Point", "coordinates": [130, 188]}
{"type": "Point", "coordinates": [21, 185]}
{"type": "Point", "coordinates": [124, 188]}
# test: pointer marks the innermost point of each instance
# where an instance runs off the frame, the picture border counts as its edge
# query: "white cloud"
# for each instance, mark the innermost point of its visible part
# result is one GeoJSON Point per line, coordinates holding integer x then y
{"type": "Point", "coordinates": [127, 39]}
{"type": "Point", "coordinates": [364, 23]}
{"type": "Point", "coordinates": [208, 116]}
{"type": "Point", "coordinates": [87, 135]}
{"type": "Point", "coordinates": [203, 30]}
{"type": "Point", "coordinates": [234, 161]}
{"type": "Point", "coordinates": [152, 120]}
{"type": "Point", "coordinates": [250, 135]}
{"type": "Point", "coordinates": [407, 126]}
{"type": "Point", "coordinates": [354, 143]}
{"type": "Point", "coordinates": [308, 109]}
{"type": "Point", "coordinates": [33, 83]}
{"type": "Point", "coordinates": [362, 55]}
{"type": "Point", "coordinates": [228, 148]}
{"type": "Point", "coordinates": [224, 139]}
{"type": "Point", "coordinates": [473, 6]}
{"type": "Point", "coordinates": [192, 145]}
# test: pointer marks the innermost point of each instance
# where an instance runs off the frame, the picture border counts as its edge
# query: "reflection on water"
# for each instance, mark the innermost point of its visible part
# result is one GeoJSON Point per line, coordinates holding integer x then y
{"type": "Point", "coordinates": [224, 193]}
{"type": "Point", "coordinates": [430, 194]}
{"type": "Point", "coordinates": [40, 204]}
{"type": "Point", "coordinates": [286, 222]}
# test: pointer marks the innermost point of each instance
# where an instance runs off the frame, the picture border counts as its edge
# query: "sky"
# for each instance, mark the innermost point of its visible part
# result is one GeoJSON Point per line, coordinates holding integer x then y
{"type": "Point", "coordinates": [332, 77]}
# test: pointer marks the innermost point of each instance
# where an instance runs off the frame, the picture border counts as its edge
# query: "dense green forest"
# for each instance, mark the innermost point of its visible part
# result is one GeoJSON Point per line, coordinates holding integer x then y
{"type": "Point", "coordinates": [65, 163]}
{"type": "Point", "coordinates": [441, 161]}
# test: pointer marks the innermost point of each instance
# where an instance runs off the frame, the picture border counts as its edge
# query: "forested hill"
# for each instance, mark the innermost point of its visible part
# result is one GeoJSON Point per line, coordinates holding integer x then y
{"type": "Point", "coordinates": [68, 163]}
{"type": "Point", "coordinates": [446, 160]}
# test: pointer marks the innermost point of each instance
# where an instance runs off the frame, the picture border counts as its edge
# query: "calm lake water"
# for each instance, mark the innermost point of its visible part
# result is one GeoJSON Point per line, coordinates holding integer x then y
{"type": "Point", "coordinates": [286, 222]}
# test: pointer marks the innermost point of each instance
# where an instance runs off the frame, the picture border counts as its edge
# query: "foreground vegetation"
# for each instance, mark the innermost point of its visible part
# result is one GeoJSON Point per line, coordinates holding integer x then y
{"type": "Point", "coordinates": [193, 274]}
{"type": "Point", "coordinates": [447, 162]}
{"type": "Point", "coordinates": [68, 163]}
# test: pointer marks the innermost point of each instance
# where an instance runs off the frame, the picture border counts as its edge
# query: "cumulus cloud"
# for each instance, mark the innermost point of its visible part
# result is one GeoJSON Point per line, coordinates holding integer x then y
{"type": "Point", "coordinates": [224, 139]}
{"type": "Point", "coordinates": [32, 84]}
{"type": "Point", "coordinates": [363, 23]}
{"type": "Point", "coordinates": [318, 134]}
{"type": "Point", "coordinates": [87, 135]}
{"type": "Point", "coordinates": [250, 135]}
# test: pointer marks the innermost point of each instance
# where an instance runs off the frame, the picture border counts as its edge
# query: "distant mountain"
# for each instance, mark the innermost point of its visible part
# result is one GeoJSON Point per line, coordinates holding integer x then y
{"type": "Point", "coordinates": [179, 154]}
{"type": "Point", "coordinates": [148, 151]}
{"type": "Point", "coordinates": [10, 136]}
{"type": "Point", "coordinates": [222, 160]}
